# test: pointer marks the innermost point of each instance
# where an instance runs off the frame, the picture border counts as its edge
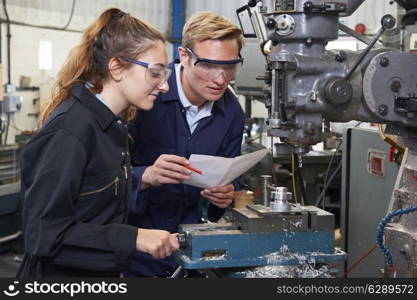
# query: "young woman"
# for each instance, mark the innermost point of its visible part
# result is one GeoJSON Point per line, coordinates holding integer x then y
{"type": "Point", "coordinates": [76, 169]}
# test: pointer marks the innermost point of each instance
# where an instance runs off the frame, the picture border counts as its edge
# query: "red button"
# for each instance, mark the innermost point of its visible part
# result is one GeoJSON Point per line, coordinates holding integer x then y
{"type": "Point", "coordinates": [360, 28]}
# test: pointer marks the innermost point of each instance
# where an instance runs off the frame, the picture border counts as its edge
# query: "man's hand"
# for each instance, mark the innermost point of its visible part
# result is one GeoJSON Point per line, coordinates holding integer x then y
{"type": "Point", "coordinates": [221, 196]}
{"type": "Point", "coordinates": [158, 243]}
{"type": "Point", "coordinates": [166, 169]}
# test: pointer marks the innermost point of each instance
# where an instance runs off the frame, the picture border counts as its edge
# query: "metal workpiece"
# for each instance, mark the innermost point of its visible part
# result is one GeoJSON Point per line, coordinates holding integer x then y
{"type": "Point", "coordinates": [280, 206]}
{"type": "Point", "coordinates": [258, 218]}
{"type": "Point", "coordinates": [279, 200]}
{"type": "Point", "coordinates": [279, 194]}
{"type": "Point", "coordinates": [266, 181]}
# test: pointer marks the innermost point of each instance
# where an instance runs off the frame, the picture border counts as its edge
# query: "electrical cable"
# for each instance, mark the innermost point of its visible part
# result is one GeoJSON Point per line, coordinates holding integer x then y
{"type": "Point", "coordinates": [1, 54]}
{"type": "Point", "coordinates": [331, 162]}
{"type": "Point", "coordinates": [9, 36]}
{"type": "Point", "coordinates": [64, 28]}
{"type": "Point", "coordinates": [321, 196]}
{"type": "Point", "coordinates": [327, 175]}
{"type": "Point", "coordinates": [328, 171]}
{"type": "Point", "coordinates": [70, 17]}
{"type": "Point", "coordinates": [2, 128]}
{"type": "Point", "coordinates": [13, 124]}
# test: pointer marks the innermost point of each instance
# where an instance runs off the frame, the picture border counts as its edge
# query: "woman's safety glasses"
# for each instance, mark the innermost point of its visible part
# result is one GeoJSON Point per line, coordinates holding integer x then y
{"type": "Point", "coordinates": [209, 69]}
{"type": "Point", "coordinates": [156, 74]}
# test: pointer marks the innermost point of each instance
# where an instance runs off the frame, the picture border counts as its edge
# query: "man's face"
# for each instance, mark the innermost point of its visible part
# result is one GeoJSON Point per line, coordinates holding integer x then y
{"type": "Point", "coordinates": [207, 82]}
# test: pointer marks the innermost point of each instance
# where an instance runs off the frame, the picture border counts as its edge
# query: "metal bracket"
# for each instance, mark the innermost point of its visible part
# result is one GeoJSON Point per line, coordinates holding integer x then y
{"type": "Point", "coordinates": [406, 104]}
{"type": "Point", "coordinates": [326, 7]}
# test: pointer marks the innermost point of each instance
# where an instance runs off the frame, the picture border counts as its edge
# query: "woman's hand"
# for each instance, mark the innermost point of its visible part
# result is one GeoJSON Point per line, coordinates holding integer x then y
{"type": "Point", "coordinates": [158, 243]}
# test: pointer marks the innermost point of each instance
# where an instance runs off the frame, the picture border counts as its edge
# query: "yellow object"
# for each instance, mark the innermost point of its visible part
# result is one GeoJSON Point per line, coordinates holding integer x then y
{"type": "Point", "coordinates": [390, 140]}
{"type": "Point", "coordinates": [243, 198]}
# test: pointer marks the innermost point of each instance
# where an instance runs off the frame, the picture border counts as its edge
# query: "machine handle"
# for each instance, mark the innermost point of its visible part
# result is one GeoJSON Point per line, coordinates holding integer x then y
{"type": "Point", "coordinates": [182, 240]}
{"type": "Point", "coordinates": [387, 22]}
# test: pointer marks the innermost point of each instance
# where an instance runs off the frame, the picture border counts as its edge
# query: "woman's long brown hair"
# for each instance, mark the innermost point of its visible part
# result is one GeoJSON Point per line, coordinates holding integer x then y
{"type": "Point", "coordinates": [114, 34]}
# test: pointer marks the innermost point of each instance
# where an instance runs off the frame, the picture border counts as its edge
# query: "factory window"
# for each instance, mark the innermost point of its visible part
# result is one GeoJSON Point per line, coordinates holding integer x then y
{"type": "Point", "coordinates": [45, 55]}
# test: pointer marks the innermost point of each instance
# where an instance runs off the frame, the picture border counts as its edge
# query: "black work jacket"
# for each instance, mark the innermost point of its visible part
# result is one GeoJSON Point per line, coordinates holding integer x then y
{"type": "Point", "coordinates": [76, 184]}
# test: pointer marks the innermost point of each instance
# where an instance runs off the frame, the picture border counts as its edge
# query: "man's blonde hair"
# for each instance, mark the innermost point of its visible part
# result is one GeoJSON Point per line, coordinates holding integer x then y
{"type": "Point", "coordinates": [206, 25]}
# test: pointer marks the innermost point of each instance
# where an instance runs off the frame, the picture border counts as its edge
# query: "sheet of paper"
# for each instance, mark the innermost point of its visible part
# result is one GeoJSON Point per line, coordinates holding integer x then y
{"type": "Point", "coordinates": [218, 171]}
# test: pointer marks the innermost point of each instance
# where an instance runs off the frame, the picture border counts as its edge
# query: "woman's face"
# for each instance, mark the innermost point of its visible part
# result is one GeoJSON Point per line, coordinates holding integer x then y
{"type": "Point", "coordinates": [141, 85]}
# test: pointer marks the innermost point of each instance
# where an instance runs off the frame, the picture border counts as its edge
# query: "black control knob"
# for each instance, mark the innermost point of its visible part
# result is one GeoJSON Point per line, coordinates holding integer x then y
{"type": "Point", "coordinates": [338, 91]}
{"type": "Point", "coordinates": [341, 56]}
{"type": "Point", "coordinates": [271, 23]}
{"type": "Point", "coordinates": [308, 6]}
{"type": "Point", "coordinates": [388, 21]}
{"type": "Point", "coordinates": [252, 3]}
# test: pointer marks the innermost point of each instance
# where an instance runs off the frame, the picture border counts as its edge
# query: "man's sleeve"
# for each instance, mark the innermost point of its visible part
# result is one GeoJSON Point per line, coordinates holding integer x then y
{"type": "Point", "coordinates": [139, 198]}
{"type": "Point", "coordinates": [231, 148]}
{"type": "Point", "coordinates": [52, 230]}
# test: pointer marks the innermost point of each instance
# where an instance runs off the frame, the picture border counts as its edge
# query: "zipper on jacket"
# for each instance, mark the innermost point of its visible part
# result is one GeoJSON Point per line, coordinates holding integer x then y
{"type": "Point", "coordinates": [125, 168]}
{"type": "Point", "coordinates": [115, 182]}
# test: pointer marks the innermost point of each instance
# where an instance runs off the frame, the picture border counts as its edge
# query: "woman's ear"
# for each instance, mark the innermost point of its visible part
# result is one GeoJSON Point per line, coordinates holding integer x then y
{"type": "Point", "coordinates": [115, 69]}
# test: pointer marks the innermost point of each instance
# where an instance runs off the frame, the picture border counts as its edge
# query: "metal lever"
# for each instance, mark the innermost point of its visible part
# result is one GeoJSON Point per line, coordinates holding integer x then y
{"type": "Point", "coordinates": [182, 240]}
{"type": "Point", "coordinates": [356, 35]}
{"type": "Point", "coordinates": [387, 22]}
{"type": "Point", "coordinates": [176, 272]}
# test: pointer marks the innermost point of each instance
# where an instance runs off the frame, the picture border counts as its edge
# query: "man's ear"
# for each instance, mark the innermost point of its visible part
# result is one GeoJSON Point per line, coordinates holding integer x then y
{"type": "Point", "coordinates": [183, 56]}
{"type": "Point", "coordinates": [115, 69]}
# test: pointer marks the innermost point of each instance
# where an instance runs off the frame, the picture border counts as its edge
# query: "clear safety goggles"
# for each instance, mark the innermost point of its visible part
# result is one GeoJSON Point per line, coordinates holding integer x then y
{"type": "Point", "coordinates": [156, 74]}
{"type": "Point", "coordinates": [209, 69]}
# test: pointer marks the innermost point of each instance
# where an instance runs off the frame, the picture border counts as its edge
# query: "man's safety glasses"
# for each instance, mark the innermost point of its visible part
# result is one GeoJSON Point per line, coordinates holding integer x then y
{"type": "Point", "coordinates": [209, 69]}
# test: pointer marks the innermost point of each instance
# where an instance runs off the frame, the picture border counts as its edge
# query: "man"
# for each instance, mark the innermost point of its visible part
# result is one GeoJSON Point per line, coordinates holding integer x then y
{"type": "Point", "coordinates": [199, 115]}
